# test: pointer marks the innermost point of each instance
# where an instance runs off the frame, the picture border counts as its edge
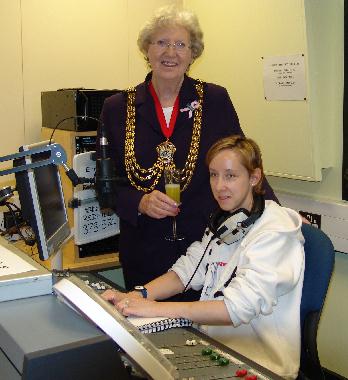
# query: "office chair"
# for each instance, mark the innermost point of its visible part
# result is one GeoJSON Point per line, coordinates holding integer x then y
{"type": "Point", "coordinates": [319, 262]}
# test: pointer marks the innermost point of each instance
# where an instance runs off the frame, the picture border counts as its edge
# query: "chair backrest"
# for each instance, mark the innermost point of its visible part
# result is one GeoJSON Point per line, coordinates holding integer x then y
{"type": "Point", "coordinates": [319, 262]}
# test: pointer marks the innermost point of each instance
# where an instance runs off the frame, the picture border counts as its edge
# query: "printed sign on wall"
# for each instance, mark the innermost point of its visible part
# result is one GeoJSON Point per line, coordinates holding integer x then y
{"type": "Point", "coordinates": [284, 77]}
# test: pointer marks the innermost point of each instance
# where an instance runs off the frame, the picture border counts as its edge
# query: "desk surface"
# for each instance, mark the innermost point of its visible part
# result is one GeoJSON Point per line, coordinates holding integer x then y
{"type": "Point", "coordinates": [31, 325]}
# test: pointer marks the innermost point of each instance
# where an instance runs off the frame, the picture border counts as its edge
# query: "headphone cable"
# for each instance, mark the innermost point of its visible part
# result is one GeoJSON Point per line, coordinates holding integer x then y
{"type": "Point", "coordinates": [199, 263]}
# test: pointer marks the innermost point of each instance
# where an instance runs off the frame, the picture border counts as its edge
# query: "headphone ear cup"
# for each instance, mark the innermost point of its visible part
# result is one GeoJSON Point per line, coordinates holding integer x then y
{"type": "Point", "coordinates": [216, 219]}
{"type": "Point", "coordinates": [223, 223]}
{"type": "Point", "coordinates": [231, 227]}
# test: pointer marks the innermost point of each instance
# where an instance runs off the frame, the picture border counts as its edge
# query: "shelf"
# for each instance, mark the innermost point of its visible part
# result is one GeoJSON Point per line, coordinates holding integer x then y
{"type": "Point", "coordinates": [71, 259]}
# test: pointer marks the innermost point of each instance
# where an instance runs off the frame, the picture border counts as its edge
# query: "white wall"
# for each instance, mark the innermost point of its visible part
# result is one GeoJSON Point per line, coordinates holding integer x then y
{"type": "Point", "coordinates": [325, 35]}
{"type": "Point", "coordinates": [71, 44]}
{"type": "Point", "coordinates": [297, 138]}
{"type": "Point", "coordinates": [245, 32]}
{"type": "Point", "coordinates": [50, 44]}
{"type": "Point", "coordinates": [11, 80]}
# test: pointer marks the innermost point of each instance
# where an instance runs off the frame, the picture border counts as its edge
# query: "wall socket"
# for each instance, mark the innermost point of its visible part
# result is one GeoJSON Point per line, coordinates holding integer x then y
{"type": "Point", "coordinates": [314, 219]}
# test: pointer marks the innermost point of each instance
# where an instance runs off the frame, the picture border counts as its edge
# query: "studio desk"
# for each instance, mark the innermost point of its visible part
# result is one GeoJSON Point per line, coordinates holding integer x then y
{"type": "Point", "coordinates": [42, 338]}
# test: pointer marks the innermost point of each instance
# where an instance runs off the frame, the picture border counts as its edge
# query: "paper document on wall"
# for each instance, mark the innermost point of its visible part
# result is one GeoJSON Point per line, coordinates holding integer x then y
{"type": "Point", "coordinates": [284, 77]}
{"type": "Point", "coordinates": [10, 263]}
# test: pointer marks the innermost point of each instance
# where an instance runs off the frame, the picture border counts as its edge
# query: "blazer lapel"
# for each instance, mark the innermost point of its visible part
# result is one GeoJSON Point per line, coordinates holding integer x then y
{"type": "Point", "coordinates": [187, 95]}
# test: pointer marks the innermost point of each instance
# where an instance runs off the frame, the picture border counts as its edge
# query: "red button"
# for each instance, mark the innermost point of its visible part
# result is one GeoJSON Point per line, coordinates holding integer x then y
{"type": "Point", "coordinates": [241, 372]}
{"type": "Point", "coordinates": [251, 377]}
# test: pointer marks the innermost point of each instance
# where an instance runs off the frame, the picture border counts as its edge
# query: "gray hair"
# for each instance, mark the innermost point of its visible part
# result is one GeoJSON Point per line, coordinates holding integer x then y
{"type": "Point", "coordinates": [172, 16]}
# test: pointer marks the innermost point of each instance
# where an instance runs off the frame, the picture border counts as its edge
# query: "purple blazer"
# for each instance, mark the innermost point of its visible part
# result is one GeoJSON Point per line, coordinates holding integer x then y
{"type": "Point", "coordinates": [144, 252]}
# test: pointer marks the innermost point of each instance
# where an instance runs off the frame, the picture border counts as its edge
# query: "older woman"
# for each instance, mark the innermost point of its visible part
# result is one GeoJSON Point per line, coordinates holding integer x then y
{"type": "Point", "coordinates": [169, 120]}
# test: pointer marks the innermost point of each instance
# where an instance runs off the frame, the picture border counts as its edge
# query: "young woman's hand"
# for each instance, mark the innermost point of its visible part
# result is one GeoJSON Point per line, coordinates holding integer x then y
{"type": "Point", "coordinates": [139, 307]}
{"type": "Point", "coordinates": [114, 296]}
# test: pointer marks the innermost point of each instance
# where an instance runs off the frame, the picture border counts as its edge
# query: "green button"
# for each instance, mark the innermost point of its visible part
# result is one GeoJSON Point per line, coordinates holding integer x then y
{"type": "Point", "coordinates": [214, 356]}
{"type": "Point", "coordinates": [223, 361]}
{"type": "Point", "coordinates": [207, 351]}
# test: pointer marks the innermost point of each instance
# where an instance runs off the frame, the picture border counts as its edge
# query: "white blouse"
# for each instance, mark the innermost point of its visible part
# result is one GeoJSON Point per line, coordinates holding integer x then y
{"type": "Point", "coordinates": [167, 111]}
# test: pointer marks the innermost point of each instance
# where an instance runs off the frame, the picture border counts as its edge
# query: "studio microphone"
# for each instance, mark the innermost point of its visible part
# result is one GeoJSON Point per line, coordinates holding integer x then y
{"type": "Point", "coordinates": [106, 182]}
{"type": "Point", "coordinates": [105, 175]}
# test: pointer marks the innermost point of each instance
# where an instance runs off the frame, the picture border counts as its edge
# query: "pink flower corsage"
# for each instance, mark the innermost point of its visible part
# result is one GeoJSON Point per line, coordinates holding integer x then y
{"type": "Point", "coordinates": [190, 107]}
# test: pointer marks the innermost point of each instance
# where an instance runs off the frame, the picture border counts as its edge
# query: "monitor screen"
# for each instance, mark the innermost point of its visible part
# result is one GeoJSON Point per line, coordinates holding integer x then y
{"type": "Point", "coordinates": [42, 202]}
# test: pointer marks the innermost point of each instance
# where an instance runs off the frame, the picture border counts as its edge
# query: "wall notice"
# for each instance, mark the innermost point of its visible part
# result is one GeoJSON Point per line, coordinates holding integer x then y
{"type": "Point", "coordinates": [284, 77]}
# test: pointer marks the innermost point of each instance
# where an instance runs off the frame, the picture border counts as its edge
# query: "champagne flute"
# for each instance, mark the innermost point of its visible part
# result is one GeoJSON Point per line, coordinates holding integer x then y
{"type": "Point", "coordinates": [172, 179]}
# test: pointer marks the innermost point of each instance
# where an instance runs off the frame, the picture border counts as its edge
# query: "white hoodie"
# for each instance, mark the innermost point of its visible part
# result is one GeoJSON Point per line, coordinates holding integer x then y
{"type": "Point", "coordinates": [260, 280]}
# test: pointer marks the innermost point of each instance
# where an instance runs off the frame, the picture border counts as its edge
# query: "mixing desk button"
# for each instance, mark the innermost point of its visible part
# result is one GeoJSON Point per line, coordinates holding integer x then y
{"type": "Point", "coordinates": [241, 372]}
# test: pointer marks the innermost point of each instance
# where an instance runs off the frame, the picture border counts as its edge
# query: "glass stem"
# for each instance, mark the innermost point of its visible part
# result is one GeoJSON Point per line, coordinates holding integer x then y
{"type": "Point", "coordinates": [174, 228]}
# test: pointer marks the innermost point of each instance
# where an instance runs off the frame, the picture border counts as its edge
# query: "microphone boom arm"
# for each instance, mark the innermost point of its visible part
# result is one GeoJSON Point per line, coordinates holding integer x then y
{"type": "Point", "coordinates": [57, 157]}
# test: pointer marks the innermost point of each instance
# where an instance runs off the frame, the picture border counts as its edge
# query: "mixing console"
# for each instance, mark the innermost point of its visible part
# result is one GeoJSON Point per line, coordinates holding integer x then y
{"type": "Point", "coordinates": [192, 353]}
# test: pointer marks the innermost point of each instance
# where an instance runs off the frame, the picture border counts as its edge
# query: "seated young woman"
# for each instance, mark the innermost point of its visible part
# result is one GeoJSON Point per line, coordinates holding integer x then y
{"type": "Point", "coordinates": [249, 266]}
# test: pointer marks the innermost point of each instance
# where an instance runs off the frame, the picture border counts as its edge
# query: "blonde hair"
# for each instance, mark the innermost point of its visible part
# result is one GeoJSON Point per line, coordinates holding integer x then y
{"type": "Point", "coordinates": [172, 16]}
{"type": "Point", "coordinates": [248, 151]}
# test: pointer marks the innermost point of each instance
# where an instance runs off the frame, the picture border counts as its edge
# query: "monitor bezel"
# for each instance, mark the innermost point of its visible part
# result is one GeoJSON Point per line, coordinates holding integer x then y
{"type": "Point", "coordinates": [31, 206]}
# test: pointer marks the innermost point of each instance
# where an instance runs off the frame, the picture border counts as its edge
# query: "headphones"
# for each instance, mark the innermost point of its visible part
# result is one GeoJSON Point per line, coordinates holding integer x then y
{"type": "Point", "coordinates": [230, 227]}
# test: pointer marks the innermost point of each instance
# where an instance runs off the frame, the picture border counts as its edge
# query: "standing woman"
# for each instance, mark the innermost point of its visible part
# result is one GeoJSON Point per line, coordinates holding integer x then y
{"type": "Point", "coordinates": [169, 120]}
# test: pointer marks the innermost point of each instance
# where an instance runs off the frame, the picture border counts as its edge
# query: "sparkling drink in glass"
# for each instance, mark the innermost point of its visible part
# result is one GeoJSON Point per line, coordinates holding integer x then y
{"type": "Point", "coordinates": [173, 179]}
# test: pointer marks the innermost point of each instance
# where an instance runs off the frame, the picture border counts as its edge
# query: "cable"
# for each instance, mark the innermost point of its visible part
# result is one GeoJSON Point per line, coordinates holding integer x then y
{"type": "Point", "coordinates": [75, 180]}
{"type": "Point", "coordinates": [15, 206]}
{"type": "Point", "coordinates": [29, 242]}
{"type": "Point", "coordinates": [199, 263]}
{"type": "Point", "coordinates": [73, 117]}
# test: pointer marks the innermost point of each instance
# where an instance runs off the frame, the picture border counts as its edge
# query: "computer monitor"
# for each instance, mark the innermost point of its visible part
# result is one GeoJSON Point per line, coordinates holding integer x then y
{"type": "Point", "coordinates": [42, 201]}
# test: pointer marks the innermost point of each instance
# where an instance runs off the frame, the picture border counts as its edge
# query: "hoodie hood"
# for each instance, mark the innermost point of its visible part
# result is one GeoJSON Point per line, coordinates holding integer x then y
{"type": "Point", "coordinates": [277, 219]}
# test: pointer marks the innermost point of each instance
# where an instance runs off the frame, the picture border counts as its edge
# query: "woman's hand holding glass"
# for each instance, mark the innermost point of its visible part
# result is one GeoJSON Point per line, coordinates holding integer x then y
{"type": "Point", "coordinates": [158, 205]}
{"type": "Point", "coordinates": [173, 180]}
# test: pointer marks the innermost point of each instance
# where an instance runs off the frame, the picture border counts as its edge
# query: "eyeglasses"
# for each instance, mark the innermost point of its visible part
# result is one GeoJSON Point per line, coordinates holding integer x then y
{"type": "Point", "coordinates": [165, 44]}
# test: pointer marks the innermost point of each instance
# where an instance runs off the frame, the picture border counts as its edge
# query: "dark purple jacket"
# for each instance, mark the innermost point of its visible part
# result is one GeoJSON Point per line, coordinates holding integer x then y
{"type": "Point", "coordinates": [144, 252]}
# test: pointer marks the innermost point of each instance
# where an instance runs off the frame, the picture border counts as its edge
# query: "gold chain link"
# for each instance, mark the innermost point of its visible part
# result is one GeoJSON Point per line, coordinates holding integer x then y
{"type": "Point", "coordinates": [137, 173]}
